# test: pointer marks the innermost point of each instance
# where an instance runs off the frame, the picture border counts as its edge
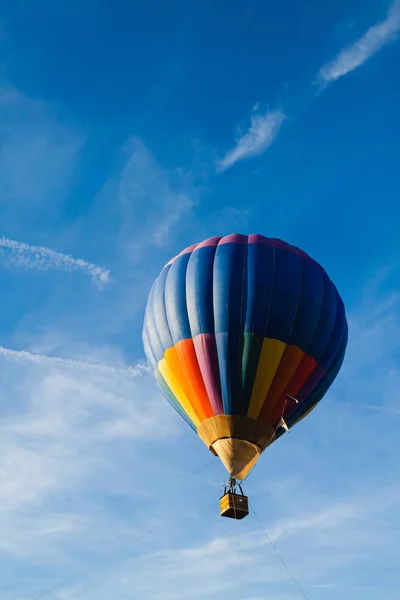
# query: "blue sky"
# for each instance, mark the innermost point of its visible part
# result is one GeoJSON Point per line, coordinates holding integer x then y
{"type": "Point", "coordinates": [128, 132]}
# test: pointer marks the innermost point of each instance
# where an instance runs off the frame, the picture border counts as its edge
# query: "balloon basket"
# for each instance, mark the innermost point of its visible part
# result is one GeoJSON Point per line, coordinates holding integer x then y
{"type": "Point", "coordinates": [232, 504]}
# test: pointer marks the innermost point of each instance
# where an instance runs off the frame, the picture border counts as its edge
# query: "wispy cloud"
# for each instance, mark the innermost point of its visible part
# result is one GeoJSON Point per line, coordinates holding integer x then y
{"type": "Point", "coordinates": [162, 198]}
{"type": "Point", "coordinates": [64, 442]}
{"type": "Point", "coordinates": [259, 137]}
{"type": "Point", "coordinates": [42, 359]}
{"type": "Point", "coordinates": [69, 429]}
{"type": "Point", "coordinates": [24, 255]}
{"type": "Point", "coordinates": [265, 127]}
{"type": "Point", "coordinates": [366, 46]}
{"type": "Point", "coordinates": [230, 217]}
{"type": "Point", "coordinates": [80, 447]}
{"type": "Point", "coordinates": [342, 537]}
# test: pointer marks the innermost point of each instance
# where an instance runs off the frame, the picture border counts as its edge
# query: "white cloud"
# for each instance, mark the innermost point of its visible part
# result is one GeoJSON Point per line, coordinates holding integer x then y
{"type": "Point", "coordinates": [360, 51]}
{"type": "Point", "coordinates": [27, 256]}
{"type": "Point", "coordinates": [262, 132]}
{"type": "Point", "coordinates": [90, 459]}
{"type": "Point", "coordinates": [344, 537]}
{"type": "Point", "coordinates": [41, 359]}
{"type": "Point", "coordinates": [70, 439]}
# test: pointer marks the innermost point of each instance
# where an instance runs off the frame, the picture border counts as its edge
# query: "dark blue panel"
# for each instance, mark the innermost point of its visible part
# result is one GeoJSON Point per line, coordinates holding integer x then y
{"type": "Point", "coordinates": [309, 306]}
{"type": "Point", "coordinates": [175, 299]}
{"type": "Point", "coordinates": [326, 321]}
{"type": "Point", "coordinates": [199, 290]}
{"type": "Point", "coordinates": [285, 295]}
{"type": "Point", "coordinates": [159, 311]}
{"type": "Point", "coordinates": [336, 335]}
{"type": "Point", "coordinates": [260, 278]}
{"type": "Point", "coordinates": [230, 287]}
{"type": "Point", "coordinates": [324, 384]}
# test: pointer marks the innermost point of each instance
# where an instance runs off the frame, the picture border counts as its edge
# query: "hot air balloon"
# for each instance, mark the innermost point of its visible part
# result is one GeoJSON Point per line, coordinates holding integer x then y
{"type": "Point", "coordinates": [245, 335]}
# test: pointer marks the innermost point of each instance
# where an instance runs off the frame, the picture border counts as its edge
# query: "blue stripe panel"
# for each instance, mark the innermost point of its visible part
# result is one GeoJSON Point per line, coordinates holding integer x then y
{"type": "Point", "coordinates": [148, 350]}
{"type": "Point", "coordinates": [336, 335]}
{"type": "Point", "coordinates": [285, 296]}
{"type": "Point", "coordinates": [151, 327]}
{"type": "Point", "coordinates": [199, 290]}
{"type": "Point", "coordinates": [159, 310]}
{"type": "Point", "coordinates": [175, 299]}
{"type": "Point", "coordinates": [230, 287]}
{"type": "Point", "coordinates": [326, 321]}
{"type": "Point", "coordinates": [309, 305]}
{"type": "Point", "coordinates": [260, 279]}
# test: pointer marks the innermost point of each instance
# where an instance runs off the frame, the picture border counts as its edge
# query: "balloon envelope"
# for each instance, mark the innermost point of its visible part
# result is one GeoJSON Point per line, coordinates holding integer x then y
{"type": "Point", "coordinates": [234, 325]}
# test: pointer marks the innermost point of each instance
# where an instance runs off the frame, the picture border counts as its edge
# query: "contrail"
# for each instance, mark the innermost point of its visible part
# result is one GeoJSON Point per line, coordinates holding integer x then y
{"type": "Point", "coordinates": [41, 359]}
{"type": "Point", "coordinates": [40, 257]}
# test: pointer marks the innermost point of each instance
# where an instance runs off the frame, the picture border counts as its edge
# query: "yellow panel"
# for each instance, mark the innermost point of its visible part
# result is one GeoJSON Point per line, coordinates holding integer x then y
{"type": "Point", "coordinates": [171, 370]}
{"type": "Point", "coordinates": [244, 472]}
{"type": "Point", "coordinates": [271, 355]}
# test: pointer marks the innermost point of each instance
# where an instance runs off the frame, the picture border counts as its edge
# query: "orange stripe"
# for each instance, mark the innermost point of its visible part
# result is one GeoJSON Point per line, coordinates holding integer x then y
{"type": "Point", "coordinates": [290, 361]}
{"type": "Point", "coordinates": [188, 359]}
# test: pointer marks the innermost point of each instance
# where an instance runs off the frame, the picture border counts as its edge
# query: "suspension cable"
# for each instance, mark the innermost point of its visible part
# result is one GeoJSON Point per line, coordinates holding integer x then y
{"type": "Point", "coordinates": [302, 592]}
{"type": "Point", "coordinates": [99, 560]}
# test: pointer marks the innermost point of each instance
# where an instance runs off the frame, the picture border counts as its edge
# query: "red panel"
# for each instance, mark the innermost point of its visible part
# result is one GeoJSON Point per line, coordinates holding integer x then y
{"type": "Point", "coordinates": [207, 357]}
{"type": "Point", "coordinates": [303, 372]}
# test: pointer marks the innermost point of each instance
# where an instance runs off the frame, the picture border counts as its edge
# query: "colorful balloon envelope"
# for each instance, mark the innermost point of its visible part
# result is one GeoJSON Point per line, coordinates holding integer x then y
{"type": "Point", "coordinates": [245, 335]}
